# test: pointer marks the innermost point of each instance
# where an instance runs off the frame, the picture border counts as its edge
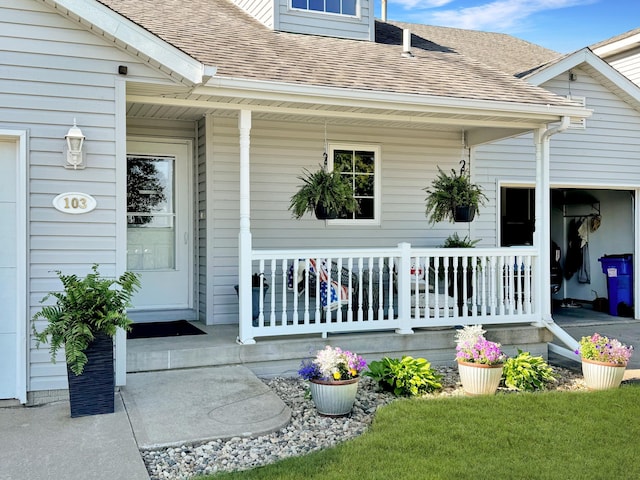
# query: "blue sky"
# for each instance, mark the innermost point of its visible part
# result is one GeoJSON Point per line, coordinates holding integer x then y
{"type": "Point", "coordinates": [561, 25]}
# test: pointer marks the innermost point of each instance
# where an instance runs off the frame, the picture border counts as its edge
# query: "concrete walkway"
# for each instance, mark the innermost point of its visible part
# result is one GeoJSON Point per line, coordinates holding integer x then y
{"type": "Point", "coordinates": [45, 443]}
{"type": "Point", "coordinates": [174, 407]}
{"type": "Point", "coordinates": [154, 409]}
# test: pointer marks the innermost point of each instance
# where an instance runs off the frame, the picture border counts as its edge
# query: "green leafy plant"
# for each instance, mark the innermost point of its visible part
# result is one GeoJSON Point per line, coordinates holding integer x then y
{"type": "Point", "coordinates": [328, 194]}
{"type": "Point", "coordinates": [87, 306]}
{"type": "Point", "coordinates": [454, 241]}
{"type": "Point", "coordinates": [450, 191]}
{"type": "Point", "coordinates": [405, 377]}
{"type": "Point", "coordinates": [526, 372]}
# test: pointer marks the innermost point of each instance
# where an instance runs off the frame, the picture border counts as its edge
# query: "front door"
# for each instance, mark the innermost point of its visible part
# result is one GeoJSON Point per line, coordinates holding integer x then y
{"type": "Point", "coordinates": [159, 238]}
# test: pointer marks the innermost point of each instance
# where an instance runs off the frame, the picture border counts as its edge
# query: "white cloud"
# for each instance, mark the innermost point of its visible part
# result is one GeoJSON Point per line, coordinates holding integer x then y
{"type": "Point", "coordinates": [422, 4]}
{"type": "Point", "coordinates": [499, 15]}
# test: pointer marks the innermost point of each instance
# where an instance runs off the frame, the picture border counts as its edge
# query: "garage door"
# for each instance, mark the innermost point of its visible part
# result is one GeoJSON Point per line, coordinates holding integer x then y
{"type": "Point", "coordinates": [8, 271]}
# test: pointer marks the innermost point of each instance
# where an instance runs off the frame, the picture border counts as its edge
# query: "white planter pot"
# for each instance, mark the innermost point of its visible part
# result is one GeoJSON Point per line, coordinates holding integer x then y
{"type": "Point", "coordinates": [334, 399]}
{"type": "Point", "coordinates": [602, 376]}
{"type": "Point", "coordinates": [479, 379]}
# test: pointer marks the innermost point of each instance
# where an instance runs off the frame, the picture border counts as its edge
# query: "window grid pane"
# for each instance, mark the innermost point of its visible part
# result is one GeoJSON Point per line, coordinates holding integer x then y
{"type": "Point", "coordinates": [341, 7]}
{"type": "Point", "coordinates": [359, 167]}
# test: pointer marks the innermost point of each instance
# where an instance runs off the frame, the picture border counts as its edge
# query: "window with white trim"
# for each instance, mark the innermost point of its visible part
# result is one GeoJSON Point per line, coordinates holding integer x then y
{"type": "Point", "coordinates": [360, 164]}
{"type": "Point", "coordinates": [340, 7]}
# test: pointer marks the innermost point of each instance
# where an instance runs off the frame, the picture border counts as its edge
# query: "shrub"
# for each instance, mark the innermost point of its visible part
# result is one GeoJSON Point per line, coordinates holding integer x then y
{"type": "Point", "coordinates": [405, 377]}
{"type": "Point", "coordinates": [525, 372]}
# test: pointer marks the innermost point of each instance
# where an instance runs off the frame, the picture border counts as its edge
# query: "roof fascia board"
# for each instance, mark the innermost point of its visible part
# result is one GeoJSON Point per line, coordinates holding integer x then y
{"type": "Point", "coordinates": [280, 91]}
{"type": "Point", "coordinates": [619, 46]}
{"type": "Point", "coordinates": [133, 35]}
{"type": "Point", "coordinates": [505, 123]}
{"type": "Point", "coordinates": [587, 56]}
{"type": "Point", "coordinates": [568, 62]}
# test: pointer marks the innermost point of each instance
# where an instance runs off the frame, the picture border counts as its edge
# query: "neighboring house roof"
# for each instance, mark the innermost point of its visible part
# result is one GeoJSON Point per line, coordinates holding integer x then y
{"type": "Point", "coordinates": [617, 44]}
{"type": "Point", "coordinates": [219, 34]}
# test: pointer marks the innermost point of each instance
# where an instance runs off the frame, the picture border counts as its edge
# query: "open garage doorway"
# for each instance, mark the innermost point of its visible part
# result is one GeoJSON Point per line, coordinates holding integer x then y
{"type": "Point", "coordinates": [586, 224]}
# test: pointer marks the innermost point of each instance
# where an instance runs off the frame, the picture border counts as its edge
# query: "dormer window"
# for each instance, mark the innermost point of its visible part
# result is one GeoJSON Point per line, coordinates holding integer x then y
{"type": "Point", "coordinates": [340, 7]}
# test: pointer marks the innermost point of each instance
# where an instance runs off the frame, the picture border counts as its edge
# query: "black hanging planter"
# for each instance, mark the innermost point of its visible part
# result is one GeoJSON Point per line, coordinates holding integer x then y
{"type": "Point", "coordinates": [464, 213]}
{"type": "Point", "coordinates": [323, 214]}
{"type": "Point", "coordinates": [92, 393]}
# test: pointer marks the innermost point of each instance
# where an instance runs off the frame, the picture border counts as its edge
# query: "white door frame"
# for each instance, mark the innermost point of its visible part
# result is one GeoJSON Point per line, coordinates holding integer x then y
{"type": "Point", "coordinates": [20, 139]}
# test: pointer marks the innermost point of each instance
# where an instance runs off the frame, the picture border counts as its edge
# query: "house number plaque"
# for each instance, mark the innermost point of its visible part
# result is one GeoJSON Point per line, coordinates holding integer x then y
{"type": "Point", "coordinates": [74, 203]}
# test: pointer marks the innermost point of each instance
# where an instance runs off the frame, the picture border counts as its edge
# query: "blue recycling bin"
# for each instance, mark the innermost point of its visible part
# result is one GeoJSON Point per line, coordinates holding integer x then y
{"type": "Point", "coordinates": [619, 272]}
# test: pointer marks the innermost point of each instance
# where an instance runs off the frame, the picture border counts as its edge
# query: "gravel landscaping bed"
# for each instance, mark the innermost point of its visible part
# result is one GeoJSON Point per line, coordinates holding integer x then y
{"type": "Point", "coordinates": [307, 431]}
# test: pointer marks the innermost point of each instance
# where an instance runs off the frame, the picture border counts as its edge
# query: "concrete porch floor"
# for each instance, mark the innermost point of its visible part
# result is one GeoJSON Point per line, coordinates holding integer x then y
{"type": "Point", "coordinates": [281, 356]}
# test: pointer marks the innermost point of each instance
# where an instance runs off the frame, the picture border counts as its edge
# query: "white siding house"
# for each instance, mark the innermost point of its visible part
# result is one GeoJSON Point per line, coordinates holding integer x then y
{"type": "Point", "coordinates": [231, 112]}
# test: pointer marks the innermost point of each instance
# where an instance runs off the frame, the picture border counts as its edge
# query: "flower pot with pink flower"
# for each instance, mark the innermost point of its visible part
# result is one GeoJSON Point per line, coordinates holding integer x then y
{"type": "Point", "coordinates": [604, 361]}
{"type": "Point", "coordinates": [479, 360]}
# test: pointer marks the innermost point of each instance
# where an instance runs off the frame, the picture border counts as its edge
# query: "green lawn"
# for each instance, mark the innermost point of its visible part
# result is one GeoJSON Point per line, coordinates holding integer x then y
{"type": "Point", "coordinates": [551, 435]}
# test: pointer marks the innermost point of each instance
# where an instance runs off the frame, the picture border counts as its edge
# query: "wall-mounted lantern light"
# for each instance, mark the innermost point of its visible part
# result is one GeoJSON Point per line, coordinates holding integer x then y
{"type": "Point", "coordinates": [73, 149]}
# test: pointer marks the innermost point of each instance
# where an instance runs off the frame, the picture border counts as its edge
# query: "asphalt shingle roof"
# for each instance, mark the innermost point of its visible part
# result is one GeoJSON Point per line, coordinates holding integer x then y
{"type": "Point", "coordinates": [218, 33]}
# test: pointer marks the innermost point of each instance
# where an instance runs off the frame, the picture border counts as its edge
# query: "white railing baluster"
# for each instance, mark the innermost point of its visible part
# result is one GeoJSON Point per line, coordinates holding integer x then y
{"type": "Point", "coordinates": [360, 290]}
{"type": "Point", "coordinates": [390, 272]}
{"type": "Point", "coordinates": [283, 281]}
{"type": "Point", "coordinates": [272, 310]}
{"type": "Point", "coordinates": [527, 285]}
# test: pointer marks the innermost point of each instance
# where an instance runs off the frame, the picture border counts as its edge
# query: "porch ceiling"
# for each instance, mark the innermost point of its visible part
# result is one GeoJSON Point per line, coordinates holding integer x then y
{"type": "Point", "coordinates": [481, 124]}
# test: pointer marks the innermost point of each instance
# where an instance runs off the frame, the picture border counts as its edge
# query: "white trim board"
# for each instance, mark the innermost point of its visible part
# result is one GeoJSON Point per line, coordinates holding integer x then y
{"type": "Point", "coordinates": [20, 137]}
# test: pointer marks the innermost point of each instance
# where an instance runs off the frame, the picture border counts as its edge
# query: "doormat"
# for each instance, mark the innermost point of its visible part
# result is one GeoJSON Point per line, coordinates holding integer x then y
{"type": "Point", "coordinates": [163, 329]}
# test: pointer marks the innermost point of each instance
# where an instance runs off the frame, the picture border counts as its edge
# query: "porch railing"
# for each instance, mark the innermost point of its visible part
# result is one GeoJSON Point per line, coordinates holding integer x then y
{"type": "Point", "coordinates": [401, 288]}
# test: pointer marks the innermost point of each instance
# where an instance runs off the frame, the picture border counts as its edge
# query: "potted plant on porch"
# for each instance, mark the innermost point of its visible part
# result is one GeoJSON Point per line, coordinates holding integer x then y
{"type": "Point", "coordinates": [456, 276]}
{"type": "Point", "coordinates": [84, 319]}
{"type": "Point", "coordinates": [480, 361]}
{"type": "Point", "coordinates": [453, 197]}
{"type": "Point", "coordinates": [256, 278]}
{"type": "Point", "coordinates": [603, 361]}
{"type": "Point", "coordinates": [327, 194]}
{"type": "Point", "coordinates": [333, 375]}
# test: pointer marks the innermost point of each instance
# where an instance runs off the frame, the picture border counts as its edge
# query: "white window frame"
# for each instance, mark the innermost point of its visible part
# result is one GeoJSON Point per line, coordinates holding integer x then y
{"type": "Point", "coordinates": [324, 12]}
{"type": "Point", "coordinates": [377, 185]}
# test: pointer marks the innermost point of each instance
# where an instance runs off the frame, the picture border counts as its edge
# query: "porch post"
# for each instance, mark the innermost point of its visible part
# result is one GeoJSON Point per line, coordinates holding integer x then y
{"type": "Point", "coordinates": [404, 289]}
{"type": "Point", "coordinates": [542, 233]}
{"type": "Point", "coordinates": [244, 237]}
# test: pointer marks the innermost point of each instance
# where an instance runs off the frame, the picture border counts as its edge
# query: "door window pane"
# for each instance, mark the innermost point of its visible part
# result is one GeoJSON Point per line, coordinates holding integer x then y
{"type": "Point", "coordinates": [150, 212]}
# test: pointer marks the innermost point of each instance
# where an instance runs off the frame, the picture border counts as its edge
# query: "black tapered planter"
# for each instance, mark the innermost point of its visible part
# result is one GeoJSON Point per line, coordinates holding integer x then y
{"type": "Point", "coordinates": [92, 393]}
{"type": "Point", "coordinates": [464, 213]}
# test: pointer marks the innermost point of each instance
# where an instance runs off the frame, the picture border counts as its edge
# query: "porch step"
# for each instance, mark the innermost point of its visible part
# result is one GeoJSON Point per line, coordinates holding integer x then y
{"type": "Point", "coordinates": [281, 356]}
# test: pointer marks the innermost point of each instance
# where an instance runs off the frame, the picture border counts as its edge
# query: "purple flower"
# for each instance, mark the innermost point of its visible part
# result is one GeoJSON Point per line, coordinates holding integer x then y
{"type": "Point", "coordinates": [309, 370]}
{"type": "Point", "coordinates": [477, 349]}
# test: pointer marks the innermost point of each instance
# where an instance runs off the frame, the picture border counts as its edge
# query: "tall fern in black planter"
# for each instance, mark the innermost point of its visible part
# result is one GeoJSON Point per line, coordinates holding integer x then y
{"type": "Point", "coordinates": [327, 194]}
{"type": "Point", "coordinates": [453, 197]}
{"type": "Point", "coordinates": [84, 319]}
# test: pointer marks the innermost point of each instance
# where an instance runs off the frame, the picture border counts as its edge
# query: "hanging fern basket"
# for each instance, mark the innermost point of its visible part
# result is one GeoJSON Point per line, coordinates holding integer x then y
{"type": "Point", "coordinates": [465, 213]}
{"type": "Point", "coordinates": [323, 214]}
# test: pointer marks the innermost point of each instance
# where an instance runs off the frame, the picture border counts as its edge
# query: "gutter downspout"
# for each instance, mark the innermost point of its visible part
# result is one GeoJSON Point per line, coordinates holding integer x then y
{"type": "Point", "coordinates": [543, 234]}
